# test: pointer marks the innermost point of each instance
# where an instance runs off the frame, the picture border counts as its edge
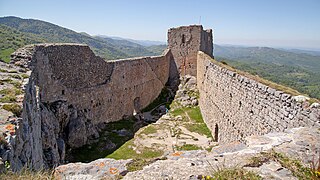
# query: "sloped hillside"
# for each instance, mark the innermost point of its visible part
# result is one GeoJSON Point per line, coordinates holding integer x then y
{"type": "Point", "coordinates": [296, 70]}
{"type": "Point", "coordinates": [41, 31]}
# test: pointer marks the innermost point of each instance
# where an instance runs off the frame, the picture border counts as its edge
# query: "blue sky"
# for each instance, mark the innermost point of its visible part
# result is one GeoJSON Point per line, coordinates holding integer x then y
{"type": "Point", "coordinates": [275, 23]}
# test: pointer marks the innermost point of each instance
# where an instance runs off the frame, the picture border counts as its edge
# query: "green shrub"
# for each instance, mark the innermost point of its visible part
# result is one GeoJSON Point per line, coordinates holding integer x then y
{"type": "Point", "coordinates": [27, 174]}
{"type": "Point", "coordinates": [16, 76]}
{"type": "Point", "coordinates": [150, 129]}
{"type": "Point", "coordinates": [13, 91]}
{"type": "Point", "coordinates": [126, 151]}
{"type": "Point", "coordinates": [3, 70]}
{"type": "Point", "coordinates": [188, 147]}
{"type": "Point", "coordinates": [295, 166]}
{"type": "Point", "coordinates": [200, 128]}
{"type": "Point", "coordinates": [223, 62]}
{"type": "Point", "coordinates": [234, 173]}
{"type": "Point", "coordinates": [14, 108]}
{"type": "Point", "coordinates": [24, 76]}
{"type": "Point", "coordinates": [8, 98]}
{"type": "Point", "coordinates": [16, 84]}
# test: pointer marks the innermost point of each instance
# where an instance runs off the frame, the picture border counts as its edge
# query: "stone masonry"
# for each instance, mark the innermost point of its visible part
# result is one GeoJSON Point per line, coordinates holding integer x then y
{"type": "Point", "coordinates": [234, 106]}
{"type": "Point", "coordinates": [184, 43]}
{"type": "Point", "coordinates": [72, 94]}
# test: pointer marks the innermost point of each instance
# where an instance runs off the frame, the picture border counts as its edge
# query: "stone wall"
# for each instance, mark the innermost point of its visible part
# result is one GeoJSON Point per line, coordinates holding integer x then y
{"type": "Point", "coordinates": [72, 94]}
{"type": "Point", "coordinates": [185, 42]}
{"type": "Point", "coordinates": [234, 106]}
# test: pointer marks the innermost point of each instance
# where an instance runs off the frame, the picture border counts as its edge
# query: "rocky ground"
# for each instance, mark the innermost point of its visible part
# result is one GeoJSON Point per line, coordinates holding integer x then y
{"type": "Point", "coordinates": [181, 128]}
{"type": "Point", "coordinates": [178, 145]}
{"type": "Point", "coordinates": [173, 143]}
{"type": "Point", "coordinates": [272, 156]}
{"type": "Point", "coordinates": [12, 81]}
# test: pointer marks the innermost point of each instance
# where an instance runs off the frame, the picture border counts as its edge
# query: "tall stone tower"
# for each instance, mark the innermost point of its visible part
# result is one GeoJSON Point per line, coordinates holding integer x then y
{"type": "Point", "coordinates": [185, 42]}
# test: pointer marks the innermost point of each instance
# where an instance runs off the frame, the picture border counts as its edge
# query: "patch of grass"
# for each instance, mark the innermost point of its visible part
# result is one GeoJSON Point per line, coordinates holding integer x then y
{"type": "Point", "coordinates": [13, 71]}
{"type": "Point", "coordinates": [313, 100]}
{"type": "Point", "coordinates": [193, 94]}
{"type": "Point", "coordinates": [209, 149]}
{"type": "Point", "coordinates": [200, 129]}
{"type": "Point", "coordinates": [188, 147]}
{"type": "Point", "coordinates": [126, 151]}
{"type": "Point", "coordinates": [174, 105]}
{"type": "Point", "coordinates": [150, 129]}
{"type": "Point", "coordinates": [25, 76]}
{"type": "Point", "coordinates": [3, 70]}
{"type": "Point", "coordinates": [161, 99]}
{"type": "Point", "coordinates": [9, 98]}
{"type": "Point", "coordinates": [14, 91]}
{"type": "Point", "coordinates": [27, 174]}
{"type": "Point", "coordinates": [16, 76]}
{"type": "Point", "coordinates": [14, 108]}
{"type": "Point", "coordinates": [234, 173]}
{"type": "Point", "coordinates": [137, 164]}
{"type": "Point", "coordinates": [8, 80]}
{"type": "Point", "coordinates": [3, 141]}
{"type": "Point", "coordinates": [178, 112]}
{"type": "Point", "coordinates": [315, 165]}
{"type": "Point", "coordinates": [5, 54]}
{"type": "Point", "coordinates": [197, 125]}
{"type": "Point", "coordinates": [104, 147]}
{"type": "Point", "coordinates": [10, 94]}
{"type": "Point", "coordinates": [16, 84]}
{"type": "Point", "coordinates": [195, 114]}
{"type": "Point", "coordinates": [295, 166]}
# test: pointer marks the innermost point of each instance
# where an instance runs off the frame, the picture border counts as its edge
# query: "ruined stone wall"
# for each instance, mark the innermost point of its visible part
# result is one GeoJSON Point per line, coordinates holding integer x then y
{"type": "Point", "coordinates": [72, 94]}
{"type": "Point", "coordinates": [234, 106]}
{"type": "Point", "coordinates": [185, 42]}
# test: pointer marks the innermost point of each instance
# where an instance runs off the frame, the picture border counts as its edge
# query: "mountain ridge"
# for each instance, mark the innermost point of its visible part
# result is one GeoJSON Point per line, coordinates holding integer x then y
{"type": "Point", "coordinates": [138, 41]}
{"type": "Point", "coordinates": [107, 48]}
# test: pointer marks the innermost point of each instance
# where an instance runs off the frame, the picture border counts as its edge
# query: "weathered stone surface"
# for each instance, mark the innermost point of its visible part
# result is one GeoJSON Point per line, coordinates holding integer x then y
{"type": "Point", "coordinates": [190, 164]}
{"type": "Point", "coordinates": [184, 43]}
{"type": "Point", "coordinates": [300, 98]}
{"type": "Point", "coordinates": [187, 91]}
{"type": "Point", "coordinates": [72, 93]}
{"type": "Point", "coordinates": [234, 110]}
{"type": "Point", "coordinates": [98, 169]}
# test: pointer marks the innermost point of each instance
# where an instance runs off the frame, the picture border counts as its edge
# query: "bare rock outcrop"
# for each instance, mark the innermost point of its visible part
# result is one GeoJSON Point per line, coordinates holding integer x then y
{"type": "Point", "coordinates": [302, 143]}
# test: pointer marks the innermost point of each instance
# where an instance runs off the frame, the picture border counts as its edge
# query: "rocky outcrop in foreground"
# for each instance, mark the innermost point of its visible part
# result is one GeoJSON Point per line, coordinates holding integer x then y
{"type": "Point", "coordinates": [298, 143]}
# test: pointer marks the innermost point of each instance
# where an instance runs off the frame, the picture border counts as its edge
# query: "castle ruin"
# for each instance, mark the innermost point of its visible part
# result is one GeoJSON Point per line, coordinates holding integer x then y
{"type": "Point", "coordinates": [72, 94]}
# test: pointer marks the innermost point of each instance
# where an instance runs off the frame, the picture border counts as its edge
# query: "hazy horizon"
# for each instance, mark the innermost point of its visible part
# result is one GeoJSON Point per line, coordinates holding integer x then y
{"type": "Point", "coordinates": [285, 24]}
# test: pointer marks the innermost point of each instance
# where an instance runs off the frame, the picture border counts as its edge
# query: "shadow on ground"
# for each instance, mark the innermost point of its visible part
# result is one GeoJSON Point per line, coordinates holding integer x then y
{"type": "Point", "coordinates": [117, 133]}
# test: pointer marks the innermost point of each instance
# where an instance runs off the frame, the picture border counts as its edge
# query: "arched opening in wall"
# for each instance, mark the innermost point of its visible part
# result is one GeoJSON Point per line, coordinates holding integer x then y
{"type": "Point", "coordinates": [183, 39]}
{"type": "Point", "coordinates": [216, 133]}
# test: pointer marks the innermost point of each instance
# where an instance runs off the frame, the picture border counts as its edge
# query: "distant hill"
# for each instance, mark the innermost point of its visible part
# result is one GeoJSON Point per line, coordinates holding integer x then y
{"type": "Point", "coordinates": [300, 51]}
{"type": "Point", "coordinates": [300, 71]}
{"type": "Point", "coordinates": [40, 31]}
{"type": "Point", "coordinates": [141, 42]}
{"type": "Point", "coordinates": [157, 49]}
{"type": "Point", "coordinates": [268, 55]}
{"type": "Point", "coordinates": [11, 39]}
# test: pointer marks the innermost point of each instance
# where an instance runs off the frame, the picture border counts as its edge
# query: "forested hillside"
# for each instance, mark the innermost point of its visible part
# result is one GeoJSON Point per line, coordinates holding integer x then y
{"type": "Point", "coordinates": [36, 31]}
{"type": "Point", "coordinates": [300, 71]}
